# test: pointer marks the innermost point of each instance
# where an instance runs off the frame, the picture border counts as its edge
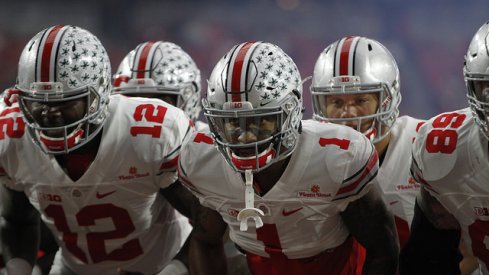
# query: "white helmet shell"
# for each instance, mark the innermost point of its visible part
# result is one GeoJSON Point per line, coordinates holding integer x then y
{"type": "Point", "coordinates": [255, 79]}
{"type": "Point", "coordinates": [63, 63]}
{"type": "Point", "coordinates": [163, 68]}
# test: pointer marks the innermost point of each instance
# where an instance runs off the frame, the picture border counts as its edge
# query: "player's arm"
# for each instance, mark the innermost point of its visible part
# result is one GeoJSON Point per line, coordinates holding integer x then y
{"type": "Point", "coordinates": [373, 226]}
{"type": "Point", "coordinates": [19, 231]}
{"type": "Point", "coordinates": [206, 252]}
{"type": "Point", "coordinates": [433, 245]}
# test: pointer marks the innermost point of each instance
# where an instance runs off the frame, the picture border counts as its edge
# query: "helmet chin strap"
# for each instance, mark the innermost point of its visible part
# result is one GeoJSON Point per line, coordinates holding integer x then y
{"type": "Point", "coordinates": [249, 211]}
{"type": "Point", "coordinates": [371, 133]}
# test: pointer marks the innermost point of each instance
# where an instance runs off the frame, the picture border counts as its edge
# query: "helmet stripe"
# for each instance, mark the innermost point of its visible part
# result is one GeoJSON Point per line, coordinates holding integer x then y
{"type": "Point", "coordinates": [135, 60]}
{"type": "Point", "coordinates": [47, 55]}
{"type": "Point", "coordinates": [345, 57]}
{"type": "Point", "coordinates": [239, 59]}
{"type": "Point", "coordinates": [228, 57]}
{"type": "Point", "coordinates": [150, 63]}
{"type": "Point", "coordinates": [142, 69]}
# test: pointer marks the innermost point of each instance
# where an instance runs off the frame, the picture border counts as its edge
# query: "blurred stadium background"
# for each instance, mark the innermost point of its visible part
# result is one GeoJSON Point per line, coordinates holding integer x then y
{"type": "Point", "coordinates": [428, 38]}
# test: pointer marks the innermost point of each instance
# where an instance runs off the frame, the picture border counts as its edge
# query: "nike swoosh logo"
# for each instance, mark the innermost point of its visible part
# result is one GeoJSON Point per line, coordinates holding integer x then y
{"type": "Point", "coordinates": [287, 213]}
{"type": "Point", "coordinates": [263, 104]}
{"type": "Point", "coordinates": [393, 202]}
{"type": "Point", "coordinates": [99, 196]}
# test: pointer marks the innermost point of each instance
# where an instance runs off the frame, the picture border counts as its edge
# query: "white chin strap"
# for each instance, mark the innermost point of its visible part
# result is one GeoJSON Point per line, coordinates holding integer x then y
{"type": "Point", "coordinates": [249, 211]}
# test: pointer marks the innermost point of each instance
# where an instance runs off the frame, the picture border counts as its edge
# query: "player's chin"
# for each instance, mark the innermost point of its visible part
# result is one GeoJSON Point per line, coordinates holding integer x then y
{"type": "Point", "coordinates": [244, 153]}
{"type": "Point", "coordinates": [366, 127]}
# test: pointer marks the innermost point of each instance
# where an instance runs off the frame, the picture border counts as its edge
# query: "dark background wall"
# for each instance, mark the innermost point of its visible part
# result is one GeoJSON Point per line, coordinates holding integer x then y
{"type": "Point", "coordinates": [427, 37]}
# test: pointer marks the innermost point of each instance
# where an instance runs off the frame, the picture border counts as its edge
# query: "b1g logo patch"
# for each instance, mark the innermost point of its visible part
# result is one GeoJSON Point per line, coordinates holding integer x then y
{"type": "Point", "coordinates": [42, 196]}
{"type": "Point", "coordinates": [481, 211]}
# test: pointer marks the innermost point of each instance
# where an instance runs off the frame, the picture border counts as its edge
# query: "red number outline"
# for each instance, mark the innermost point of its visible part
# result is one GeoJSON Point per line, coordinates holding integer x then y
{"type": "Point", "coordinates": [87, 216]}
{"type": "Point", "coordinates": [150, 114]}
{"type": "Point", "coordinates": [10, 123]}
{"type": "Point", "coordinates": [440, 139]}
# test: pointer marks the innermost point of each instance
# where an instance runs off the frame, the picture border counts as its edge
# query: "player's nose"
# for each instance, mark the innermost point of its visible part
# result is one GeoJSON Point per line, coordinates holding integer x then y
{"type": "Point", "coordinates": [247, 137]}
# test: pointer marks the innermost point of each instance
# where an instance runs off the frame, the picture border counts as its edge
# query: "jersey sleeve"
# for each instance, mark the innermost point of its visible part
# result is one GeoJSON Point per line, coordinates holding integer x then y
{"type": "Point", "coordinates": [434, 151]}
{"type": "Point", "coordinates": [178, 131]}
{"type": "Point", "coordinates": [185, 163]}
{"type": "Point", "coordinates": [417, 165]}
{"type": "Point", "coordinates": [13, 129]}
{"type": "Point", "coordinates": [360, 167]}
{"type": "Point", "coordinates": [200, 170]}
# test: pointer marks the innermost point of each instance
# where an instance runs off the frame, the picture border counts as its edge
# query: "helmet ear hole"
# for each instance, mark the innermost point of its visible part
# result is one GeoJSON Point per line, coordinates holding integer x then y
{"type": "Point", "coordinates": [195, 87]}
{"type": "Point", "coordinates": [297, 93]}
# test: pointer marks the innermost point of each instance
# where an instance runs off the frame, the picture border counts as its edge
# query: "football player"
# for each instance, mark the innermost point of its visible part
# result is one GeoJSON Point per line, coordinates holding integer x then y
{"type": "Point", "coordinates": [450, 160]}
{"type": "Point", "coordinates": [97, 169]}
{"type": "Point", "coordinates": [356, 83]}
{"type": "Point", "coordinates": [294, 193]}
{"type": "Point", "coordinates": [162, 70]}
{"type": "Point", "coordinates": [165, 71]}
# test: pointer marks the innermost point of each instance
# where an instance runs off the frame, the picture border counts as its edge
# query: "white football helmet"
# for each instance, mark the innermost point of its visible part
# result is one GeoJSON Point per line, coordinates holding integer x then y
{"type": "Point", "coordinates": [60, 64]}
{"type": "Point", "coordinates": [358, 65]}
{"type": "Point", "coordinates": [253, 84]}
{"type": "Point", "coordinates": [476, 74]}
{"type": "Point", "coordinates": [161, 68]}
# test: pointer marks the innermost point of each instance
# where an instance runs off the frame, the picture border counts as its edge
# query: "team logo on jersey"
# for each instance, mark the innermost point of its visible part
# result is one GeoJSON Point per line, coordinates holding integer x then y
{"type": "Point", "coordinates": [76, 193]}
{"type": "Point", "coordinates": [263, 207]}
{"type": "Point", "coordinates": [286, 213]}
{"type": "Point", "coordinates": [313, 192]}
{"type": "Point", "coordinates": [100, 195]}
{"type": "Point", "coordinates": [411, 185]}
{"type": "Point", "coordinates": [133, 174]}
{"type": "Point", "coordinates": [233, 212]}
{"type": "Point", "coordinates": [481, 211]}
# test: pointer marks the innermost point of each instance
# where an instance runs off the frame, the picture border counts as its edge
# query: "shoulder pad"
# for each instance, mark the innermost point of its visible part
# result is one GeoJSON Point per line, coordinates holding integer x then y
{"type": "Point", "coordinates": [436, 147]}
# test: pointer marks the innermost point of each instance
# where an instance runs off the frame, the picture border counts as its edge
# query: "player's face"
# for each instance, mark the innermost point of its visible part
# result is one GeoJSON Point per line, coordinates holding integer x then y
{"type": "Point", "coordinates": [56, 114]}
{"type": "Point", "coordinates": [481, 90]}
{"type": "Point", "coordinates": [351, 106]}
{"type": "Point", "coordinates": [249, 130]}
